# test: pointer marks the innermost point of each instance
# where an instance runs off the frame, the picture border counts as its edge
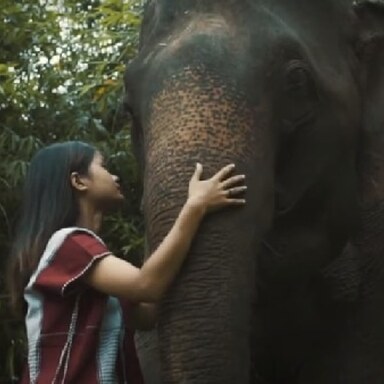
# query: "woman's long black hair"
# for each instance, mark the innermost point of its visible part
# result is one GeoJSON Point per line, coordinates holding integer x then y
{"type": "Point", "coordinates": [49, 203]}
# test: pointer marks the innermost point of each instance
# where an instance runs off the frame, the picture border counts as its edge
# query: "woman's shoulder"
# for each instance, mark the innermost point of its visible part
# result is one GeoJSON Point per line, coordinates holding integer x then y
{"type": "Point", "coordinates": [85, 239]}
{"type": "Point", "coordinates": [73, 233]}
{"type": "Point", "coordinates": [81, 236]}
{"type": "Point", "coordinates": [69, 239]}
{"type": "Point", "coordinates": [69, 254]}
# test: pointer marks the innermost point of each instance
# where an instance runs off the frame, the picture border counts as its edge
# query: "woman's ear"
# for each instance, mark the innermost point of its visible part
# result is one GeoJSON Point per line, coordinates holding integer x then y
{"type": "Point", "coordinates": [78, 182]}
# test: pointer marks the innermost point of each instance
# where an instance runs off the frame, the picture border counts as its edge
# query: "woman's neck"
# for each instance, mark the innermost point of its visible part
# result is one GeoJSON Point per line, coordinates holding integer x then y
{"type": "Point", "coordinates": [89, 218]}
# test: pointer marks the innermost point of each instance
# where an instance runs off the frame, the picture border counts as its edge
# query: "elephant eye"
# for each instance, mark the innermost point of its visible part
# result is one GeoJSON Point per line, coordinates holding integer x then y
{"type": "Point", "coordinates": [299, 96]}
{"type": "Point", "coordinates": [134, 120]}
{"type": "Point", "coordinates": [296, 77]}
{"type": "Point", "coordinates": [136, 131]}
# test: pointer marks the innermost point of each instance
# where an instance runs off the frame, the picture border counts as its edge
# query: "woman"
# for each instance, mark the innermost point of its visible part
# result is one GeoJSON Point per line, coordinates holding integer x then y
{"type": "Point", "coordinates": [78, 295]}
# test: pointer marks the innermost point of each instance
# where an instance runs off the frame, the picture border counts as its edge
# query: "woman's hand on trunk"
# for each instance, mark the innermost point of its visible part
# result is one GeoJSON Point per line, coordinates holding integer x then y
{"type": "Point", "coordinates": [119, 278]}
{"type": "Point", "coordinates": [218, 191]}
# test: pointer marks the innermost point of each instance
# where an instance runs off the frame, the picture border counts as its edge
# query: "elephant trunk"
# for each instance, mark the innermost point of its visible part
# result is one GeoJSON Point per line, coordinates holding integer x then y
{"type": "Point", "coordinates": [205, 320]}
{"type": "Point", "coordinates": [204, 325]}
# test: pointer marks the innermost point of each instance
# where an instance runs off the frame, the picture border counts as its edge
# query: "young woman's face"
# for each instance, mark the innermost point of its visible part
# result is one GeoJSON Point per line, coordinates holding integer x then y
{"type": "Point", "coordinates": [103, 188]}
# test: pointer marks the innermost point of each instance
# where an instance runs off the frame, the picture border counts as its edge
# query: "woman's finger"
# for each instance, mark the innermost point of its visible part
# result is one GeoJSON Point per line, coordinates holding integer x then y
{"type": "Point", "coordinates": [198, 172]}
{"type": "Point", "coordinates": [224, 172]}
{"type": "Point", "coordinates": [235, 191]}
{"type": "Point", "coordinates": [232, 180]}
{"type": "Point", "coordinates": [236, 201]}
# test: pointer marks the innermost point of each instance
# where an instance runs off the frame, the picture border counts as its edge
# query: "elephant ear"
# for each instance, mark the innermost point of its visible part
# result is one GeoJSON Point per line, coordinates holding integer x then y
{"type": "Point", "coordinates": [370, 52]}
{"type": "Point", "coordinates": [370, 16]}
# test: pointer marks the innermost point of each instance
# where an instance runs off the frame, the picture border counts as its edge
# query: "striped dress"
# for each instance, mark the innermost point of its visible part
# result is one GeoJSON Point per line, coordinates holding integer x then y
{"type": "Point", "coordinates": [75, 333]}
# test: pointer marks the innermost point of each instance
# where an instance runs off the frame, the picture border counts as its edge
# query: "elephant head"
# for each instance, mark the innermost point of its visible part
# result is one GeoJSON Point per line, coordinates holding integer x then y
{"type": "Point", "coordinates": [275, 87]}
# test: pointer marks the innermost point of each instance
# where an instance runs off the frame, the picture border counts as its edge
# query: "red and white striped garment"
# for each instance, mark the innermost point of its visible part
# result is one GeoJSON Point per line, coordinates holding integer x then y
{"type": "Point", "coordinates": [75, 333]}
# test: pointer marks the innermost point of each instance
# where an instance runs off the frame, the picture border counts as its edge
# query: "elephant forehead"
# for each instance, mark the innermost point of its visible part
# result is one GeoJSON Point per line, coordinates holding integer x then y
{"type": "Point", "coordinates": [202, 23]}
{"type": "Point", "coordinates": [198, 23]}
{"type": "Point", "coordinates": [203, 112]}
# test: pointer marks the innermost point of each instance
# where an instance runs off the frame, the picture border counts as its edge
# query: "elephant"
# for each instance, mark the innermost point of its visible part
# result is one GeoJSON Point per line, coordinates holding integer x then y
{"type": "Point", "coordinates": [286, 289]}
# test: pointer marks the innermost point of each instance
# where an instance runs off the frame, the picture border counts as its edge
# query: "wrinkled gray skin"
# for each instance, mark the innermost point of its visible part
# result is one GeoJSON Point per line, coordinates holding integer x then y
{"type": "Point", "coordinates": [289, 289]}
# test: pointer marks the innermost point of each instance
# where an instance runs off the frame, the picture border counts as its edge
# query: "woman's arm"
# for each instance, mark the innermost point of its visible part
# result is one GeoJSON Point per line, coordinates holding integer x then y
{"type": "Point", "coordinates": [117, 277]}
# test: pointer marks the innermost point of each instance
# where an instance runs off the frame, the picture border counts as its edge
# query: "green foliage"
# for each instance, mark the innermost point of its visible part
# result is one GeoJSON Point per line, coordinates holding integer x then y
{"type": "Point", "coordinates": [61, 66]}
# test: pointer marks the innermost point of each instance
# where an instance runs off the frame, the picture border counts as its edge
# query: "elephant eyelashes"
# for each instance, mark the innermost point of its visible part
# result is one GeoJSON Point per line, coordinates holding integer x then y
{"type": "Point", "coordinates": [299, 97]}
{"type": "Point", "coordinates": [136, 133]}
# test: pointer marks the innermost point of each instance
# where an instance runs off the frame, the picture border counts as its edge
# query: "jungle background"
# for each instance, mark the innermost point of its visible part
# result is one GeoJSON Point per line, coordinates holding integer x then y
{"type": "Point", "coordinates": [61, 78]}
